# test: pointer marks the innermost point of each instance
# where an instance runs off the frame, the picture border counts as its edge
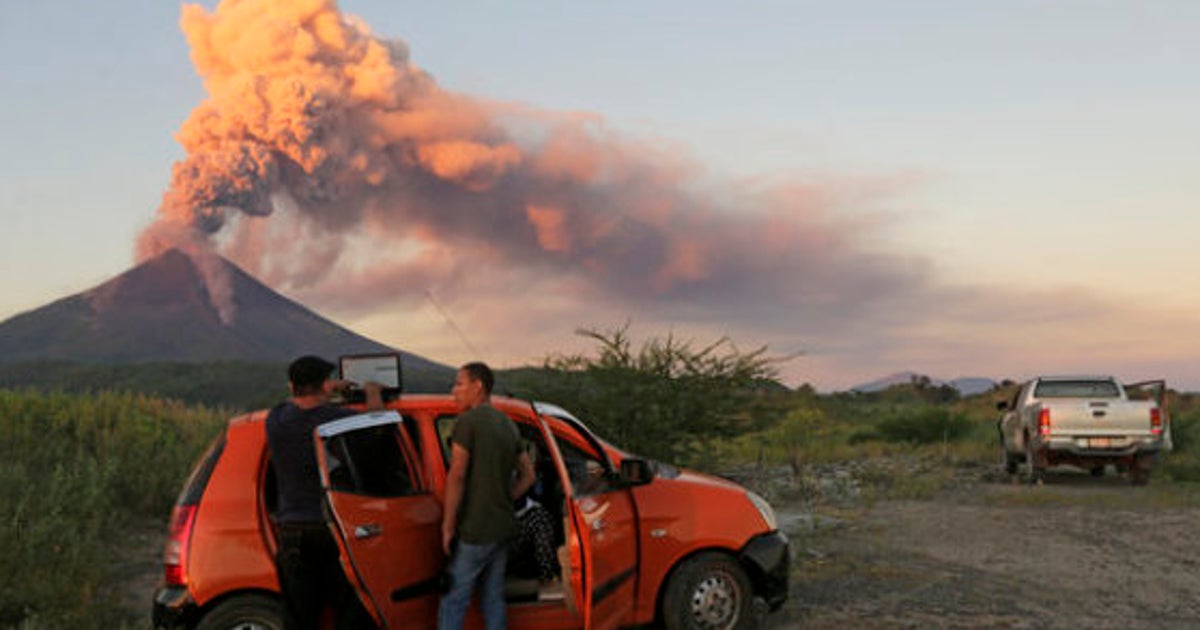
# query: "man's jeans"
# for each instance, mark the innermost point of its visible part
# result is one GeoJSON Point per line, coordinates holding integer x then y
{"type": "Point", "coordinates": [471, 564]}
{"type": "Point", "coordinates": [312, 579]}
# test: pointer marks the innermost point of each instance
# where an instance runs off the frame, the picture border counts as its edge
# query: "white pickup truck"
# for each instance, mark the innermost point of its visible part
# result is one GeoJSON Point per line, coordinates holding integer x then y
{"type": "Point", "coordinates": [1085, 421]}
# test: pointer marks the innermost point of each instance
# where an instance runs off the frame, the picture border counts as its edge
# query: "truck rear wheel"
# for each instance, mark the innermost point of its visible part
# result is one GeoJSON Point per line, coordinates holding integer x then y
{"type": "Point", "coordinates": [1035, 472]}
{"type": "Point", "coordinates": [1139, 472]}
{"type": "Point", "coordinates": [709, 592]}
{"type": "Point", "coordinates": [244, 612]}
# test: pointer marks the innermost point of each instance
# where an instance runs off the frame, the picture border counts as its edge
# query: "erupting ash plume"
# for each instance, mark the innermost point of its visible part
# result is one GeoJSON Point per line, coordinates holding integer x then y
{"type": "Point", "coordinates": [323, 160]}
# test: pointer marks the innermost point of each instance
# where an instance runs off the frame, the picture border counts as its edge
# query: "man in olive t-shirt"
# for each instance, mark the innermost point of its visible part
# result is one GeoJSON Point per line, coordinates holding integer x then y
{"type": "Point", "coordinates": [480, 490]}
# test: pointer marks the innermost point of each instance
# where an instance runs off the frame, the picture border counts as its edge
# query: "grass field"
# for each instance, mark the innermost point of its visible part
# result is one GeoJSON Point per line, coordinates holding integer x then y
{"type": "Point", "coordinates": [76, 471]}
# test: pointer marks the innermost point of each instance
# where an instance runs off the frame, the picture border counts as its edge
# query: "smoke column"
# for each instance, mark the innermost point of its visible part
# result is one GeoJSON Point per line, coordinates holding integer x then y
{"type": "Point", "coordinates": [320, 141]}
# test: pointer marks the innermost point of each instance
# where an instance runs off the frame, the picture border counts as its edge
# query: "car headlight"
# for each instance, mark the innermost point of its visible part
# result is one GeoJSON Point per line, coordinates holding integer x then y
{"type": "Point", "coordinates": [764, 508]}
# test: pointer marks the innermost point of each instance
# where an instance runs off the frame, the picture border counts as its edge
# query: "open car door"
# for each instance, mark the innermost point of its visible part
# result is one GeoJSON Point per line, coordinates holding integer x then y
{"type": "Point", "coordinates": [600, 522]}
{"type": "Point", "coordinates": [1156, 391]}
{"type": "Point", "coordinates": [386, 522]}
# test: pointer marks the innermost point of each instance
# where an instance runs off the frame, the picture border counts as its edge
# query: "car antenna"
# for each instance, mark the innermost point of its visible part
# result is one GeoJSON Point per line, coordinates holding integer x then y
{"type": "Point", "coordinates": [450, 322]}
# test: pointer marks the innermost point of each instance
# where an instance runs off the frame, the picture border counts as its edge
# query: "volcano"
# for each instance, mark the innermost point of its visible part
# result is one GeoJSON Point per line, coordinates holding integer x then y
{"type": "Point", "coordinates": [161, 311]}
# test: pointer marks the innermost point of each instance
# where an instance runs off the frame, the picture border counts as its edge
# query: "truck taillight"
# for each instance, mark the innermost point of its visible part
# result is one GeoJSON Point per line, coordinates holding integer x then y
{"type": "Point", "coordinates": [1156, 423]}
{"type": "Point", "coordinates": [183, 518]}
{"type": "Point", "coordinates": [1044, 422]}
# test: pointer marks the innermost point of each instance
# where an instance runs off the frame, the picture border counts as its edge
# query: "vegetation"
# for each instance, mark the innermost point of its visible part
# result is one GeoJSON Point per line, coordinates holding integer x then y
{"type": "Point", "coordinates": [667, 399]}
{"type": "Point", "coordinates": [81, 463]}
{"type": "Point", "coordinates": [233, 385]}
{"type": "Point", "coordinates": [229, 384]}
{"type": "Point", "coordinates": [77, 472]}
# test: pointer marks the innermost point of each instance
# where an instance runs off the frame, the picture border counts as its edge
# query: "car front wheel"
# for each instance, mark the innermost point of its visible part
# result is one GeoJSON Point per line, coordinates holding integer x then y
{"type": "Point", "coordinates": [709, 592]}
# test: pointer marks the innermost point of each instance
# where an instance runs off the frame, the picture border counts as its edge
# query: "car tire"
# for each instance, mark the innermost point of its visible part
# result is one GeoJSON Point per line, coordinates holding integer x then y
{"type": "Point", "coordinates": [1011, 461]}
{"type": "Point", "coordinates": [1139, 472]}
{"type": "Point", "coordinates": [1035, 474]}
{"type": "Point", "coordinates": [709, 592]}
{"type": "Point", "coordinates": [244, 612]}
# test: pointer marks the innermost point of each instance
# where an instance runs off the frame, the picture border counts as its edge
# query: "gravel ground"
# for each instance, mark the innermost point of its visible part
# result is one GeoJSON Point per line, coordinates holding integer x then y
{"type": "Point", "coordinates": [1076, 552]}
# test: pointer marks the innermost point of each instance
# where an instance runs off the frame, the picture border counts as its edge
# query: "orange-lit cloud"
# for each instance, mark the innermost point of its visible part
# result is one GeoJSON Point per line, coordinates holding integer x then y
{"type": "Point", "coordinates": [316, 124]}
{"type": "Point", "coordinates": [326, 163]}
{"type": "Point", "coordinates": [550, 225]}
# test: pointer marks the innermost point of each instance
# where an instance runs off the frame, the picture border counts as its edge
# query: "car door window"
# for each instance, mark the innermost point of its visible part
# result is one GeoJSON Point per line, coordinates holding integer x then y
{"type": "Point", "coordinates": [372, 462]}
{"type": "Point", "coordinates": [445, 429]}
{"type": "Point", "coordinates": [588, 474]}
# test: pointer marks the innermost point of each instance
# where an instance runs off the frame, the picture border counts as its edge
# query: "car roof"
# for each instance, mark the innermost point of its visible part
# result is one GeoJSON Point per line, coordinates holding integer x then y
{"type": "Point", "coordinates": [1077, 377]}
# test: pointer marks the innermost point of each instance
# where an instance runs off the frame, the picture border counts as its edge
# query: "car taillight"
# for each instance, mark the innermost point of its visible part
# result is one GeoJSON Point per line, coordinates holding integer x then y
{"type": "Point", "coordinates": [183, 518]}
{"type": "Point", "coordinates": [1044, 422]}
{"type": "Point", "coordinates": [1156, 423]}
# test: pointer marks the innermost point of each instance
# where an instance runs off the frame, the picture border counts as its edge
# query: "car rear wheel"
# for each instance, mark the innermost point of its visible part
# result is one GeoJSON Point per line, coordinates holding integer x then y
{"type": "Point", "coordinates": [244, 612]}
{"type": "Point", "coordinates": [709, 592]}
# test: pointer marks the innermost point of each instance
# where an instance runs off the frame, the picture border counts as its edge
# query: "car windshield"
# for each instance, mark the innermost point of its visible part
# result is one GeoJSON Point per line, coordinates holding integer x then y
{"type": "Point", "coordinates": [1076, 389]}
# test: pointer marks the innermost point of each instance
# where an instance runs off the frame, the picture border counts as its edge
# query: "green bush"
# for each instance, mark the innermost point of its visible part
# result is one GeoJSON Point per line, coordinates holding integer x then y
{"type": "Point", "coordinates": [75, 472]}
{"type": "Point", "coordinates": [1185, 431]}
{"type": "Point", "coordinates": [924, 425]}
{"type": "Point", "coordinates": [1183, 463]}
{"type": "Point", "coordinates": [667, 399]}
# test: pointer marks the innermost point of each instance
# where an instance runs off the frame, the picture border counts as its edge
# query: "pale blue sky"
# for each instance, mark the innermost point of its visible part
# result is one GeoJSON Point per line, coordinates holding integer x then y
{"type": "Point", "coordinates": [1053, 143]}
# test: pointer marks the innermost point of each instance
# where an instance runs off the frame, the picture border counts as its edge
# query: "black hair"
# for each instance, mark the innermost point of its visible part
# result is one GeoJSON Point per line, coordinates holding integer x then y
{"type": "Point", "coordinates": [308, 374]}
{"type": "Point", "coordinates": [479, 371]}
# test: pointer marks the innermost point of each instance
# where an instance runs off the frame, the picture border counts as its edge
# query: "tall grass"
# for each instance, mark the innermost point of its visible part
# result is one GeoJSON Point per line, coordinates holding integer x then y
{"type": "Point", "coordinates": [75, 472]}
{"type": "Point", "coordinates": [1183, 463]}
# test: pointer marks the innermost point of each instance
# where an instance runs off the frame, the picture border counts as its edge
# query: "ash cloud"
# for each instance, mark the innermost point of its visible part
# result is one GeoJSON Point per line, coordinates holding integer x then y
{"type": "Point", "coordinates": [325, 162]}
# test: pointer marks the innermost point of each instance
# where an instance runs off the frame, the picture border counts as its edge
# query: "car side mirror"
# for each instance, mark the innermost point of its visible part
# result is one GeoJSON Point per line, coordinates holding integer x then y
{"type": "Point", "coordinates": [636, 472]}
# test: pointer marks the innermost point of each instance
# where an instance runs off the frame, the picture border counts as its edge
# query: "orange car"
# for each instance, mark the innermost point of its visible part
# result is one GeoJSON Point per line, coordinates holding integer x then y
{"type": "Point", "coordinates": [636, 541]}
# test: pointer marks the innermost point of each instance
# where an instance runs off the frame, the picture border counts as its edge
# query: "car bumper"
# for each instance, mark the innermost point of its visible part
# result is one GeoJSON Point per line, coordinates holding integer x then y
{"type": "Point", "coordinates": [1113, 447]}
{"type": "Point", "coordinates": [173, 608]}
{"type": "Point", "coordinates": [767, 557]}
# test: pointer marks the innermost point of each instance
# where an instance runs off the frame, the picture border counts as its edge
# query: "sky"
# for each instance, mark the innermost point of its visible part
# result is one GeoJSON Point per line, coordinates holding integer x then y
{"type": "Point", "coordinates": [996, 189]}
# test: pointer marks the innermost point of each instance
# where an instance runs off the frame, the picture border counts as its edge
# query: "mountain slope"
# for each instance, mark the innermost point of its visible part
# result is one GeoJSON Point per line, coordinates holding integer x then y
{"type": "Point", "coordinates": [966, 386]}
{"type": "Point", "coordinates": [161, 311]}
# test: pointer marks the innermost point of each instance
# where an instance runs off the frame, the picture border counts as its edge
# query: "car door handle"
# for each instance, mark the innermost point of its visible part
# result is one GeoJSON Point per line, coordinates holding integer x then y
{"type": "Point", "coordinates": [370, 530]}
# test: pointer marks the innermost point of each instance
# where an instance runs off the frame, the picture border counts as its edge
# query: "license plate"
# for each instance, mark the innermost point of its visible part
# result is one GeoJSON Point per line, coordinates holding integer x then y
{"type": "Point", "coordinates": [1100, 442]}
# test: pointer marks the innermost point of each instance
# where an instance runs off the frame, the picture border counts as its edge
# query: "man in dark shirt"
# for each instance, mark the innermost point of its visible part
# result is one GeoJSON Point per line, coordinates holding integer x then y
{"type": "Point", "coordinates": [480, 490]}
{"type": "Point", "coordinates": [307, 557]}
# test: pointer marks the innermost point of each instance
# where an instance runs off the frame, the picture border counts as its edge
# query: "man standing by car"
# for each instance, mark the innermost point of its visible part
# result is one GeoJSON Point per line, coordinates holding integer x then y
{"type": "Point", "coordinates": [479, 519]}
{"type": "Point", "coordinates": [310, 575]}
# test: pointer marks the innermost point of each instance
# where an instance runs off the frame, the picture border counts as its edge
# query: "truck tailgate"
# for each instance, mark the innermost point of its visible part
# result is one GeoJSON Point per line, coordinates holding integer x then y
{"type": "Point", "coordinates": [1099, 417]}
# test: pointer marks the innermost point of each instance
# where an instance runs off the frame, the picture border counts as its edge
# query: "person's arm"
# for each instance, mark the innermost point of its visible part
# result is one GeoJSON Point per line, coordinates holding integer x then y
{"type": "Point", "coordinates": [335, 385]}
{"type": "Point", "coordinates": [525, 476]}
{"type": "Point", "coordinates": [374, 392]}
{"type": "Point", "coordinates": [456, 480]}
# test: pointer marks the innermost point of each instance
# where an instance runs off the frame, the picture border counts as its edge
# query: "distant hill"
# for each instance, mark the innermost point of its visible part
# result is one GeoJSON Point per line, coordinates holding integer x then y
{"type": "Point", "coordinates": [971, 386]}
{"type": "Point", "coordinates": [965, 386]}
{"type": "Point", "coordinates": [160, 312]}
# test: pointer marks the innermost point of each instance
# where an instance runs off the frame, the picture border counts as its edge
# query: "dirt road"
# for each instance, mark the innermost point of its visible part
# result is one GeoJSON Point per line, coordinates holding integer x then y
{"type": "Point", "coordinates": [1077, 552]}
